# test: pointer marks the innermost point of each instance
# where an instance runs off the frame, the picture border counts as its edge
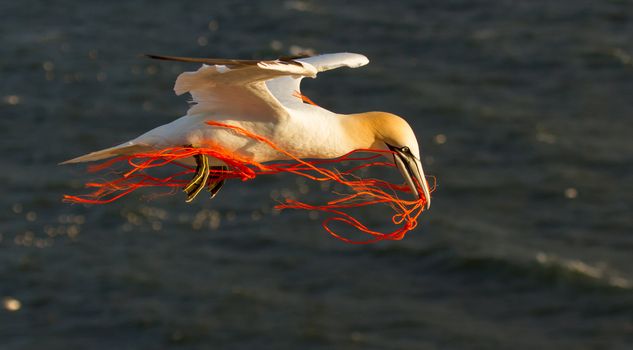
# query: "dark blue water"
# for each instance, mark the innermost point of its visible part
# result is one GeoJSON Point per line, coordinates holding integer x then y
{"type": "Point", "coordinates": [524, 114]}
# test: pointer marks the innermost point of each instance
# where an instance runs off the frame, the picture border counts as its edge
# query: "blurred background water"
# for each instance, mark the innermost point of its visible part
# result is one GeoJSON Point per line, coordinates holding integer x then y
{"type": "Point", "coordinates": [523, 112]}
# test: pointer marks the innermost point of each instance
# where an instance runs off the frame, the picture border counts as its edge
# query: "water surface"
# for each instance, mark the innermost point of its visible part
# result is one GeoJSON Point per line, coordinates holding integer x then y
{"type": "Point", "coordinates": [523, 113]}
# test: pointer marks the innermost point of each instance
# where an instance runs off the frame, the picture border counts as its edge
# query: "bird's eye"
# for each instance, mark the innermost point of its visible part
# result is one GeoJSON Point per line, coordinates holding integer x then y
{"type": "Point", "coordinates": [404, 149]}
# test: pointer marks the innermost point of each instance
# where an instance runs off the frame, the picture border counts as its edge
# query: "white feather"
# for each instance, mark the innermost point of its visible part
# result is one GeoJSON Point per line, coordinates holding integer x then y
{"type": "Point", "coordinates": [335, 60]}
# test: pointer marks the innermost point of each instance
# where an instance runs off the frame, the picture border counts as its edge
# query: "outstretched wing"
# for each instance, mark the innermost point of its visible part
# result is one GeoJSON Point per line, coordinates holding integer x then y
{"type": "Point", "coordinates": [253, 89]}
{"type": "Point", "coordinates": [236, 88]}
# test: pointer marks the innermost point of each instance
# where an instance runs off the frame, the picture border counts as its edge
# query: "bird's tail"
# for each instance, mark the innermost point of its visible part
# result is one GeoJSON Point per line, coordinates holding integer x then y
{"type": "Point", "coordinates": [127, 148]}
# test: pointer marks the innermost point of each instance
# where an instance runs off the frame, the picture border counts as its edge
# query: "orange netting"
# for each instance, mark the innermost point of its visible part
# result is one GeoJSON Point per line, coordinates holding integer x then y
{"type": "Point", "coordinates": [364, 192]}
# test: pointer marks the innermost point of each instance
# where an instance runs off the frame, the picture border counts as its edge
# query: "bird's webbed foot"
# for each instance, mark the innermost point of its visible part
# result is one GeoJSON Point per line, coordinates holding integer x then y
{"type": "Point", "coordinates": [215, 181]}
{"type": "Point", "coordinates": [204, 178]}
{"type": "Point", "coordinates": [199, 179]}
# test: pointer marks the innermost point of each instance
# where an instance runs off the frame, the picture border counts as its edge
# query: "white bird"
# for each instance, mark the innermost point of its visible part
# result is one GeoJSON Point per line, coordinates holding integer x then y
{"type": "Point", "coordinates": [264, 98]}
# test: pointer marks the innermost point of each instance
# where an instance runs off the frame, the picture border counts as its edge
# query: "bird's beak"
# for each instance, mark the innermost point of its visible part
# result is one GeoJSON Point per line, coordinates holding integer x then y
{"type": "Point", "coordinates": [411, 169]}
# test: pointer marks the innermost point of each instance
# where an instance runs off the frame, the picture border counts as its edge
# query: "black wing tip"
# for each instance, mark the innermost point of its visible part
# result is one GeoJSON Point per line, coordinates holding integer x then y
{"type": "Point", "coordinates": [156, 57]}
{"type": "Point", "coordinates": [234, 61]}
{"type": "Point", "coordinates": [177, 58]}
{"type": "Point", "coordinates": [294, 57]}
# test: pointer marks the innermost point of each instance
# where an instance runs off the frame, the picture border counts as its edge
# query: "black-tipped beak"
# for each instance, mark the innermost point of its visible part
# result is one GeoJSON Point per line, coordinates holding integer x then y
{"type": "Point", "coordinates": [411, 169]}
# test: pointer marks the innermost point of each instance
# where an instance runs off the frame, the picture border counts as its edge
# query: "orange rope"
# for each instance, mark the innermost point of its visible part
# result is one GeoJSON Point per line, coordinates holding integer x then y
{"type": "Point", "coordinates": [304, 98]}
{"type": "Point", "coordinates": [364, 192]}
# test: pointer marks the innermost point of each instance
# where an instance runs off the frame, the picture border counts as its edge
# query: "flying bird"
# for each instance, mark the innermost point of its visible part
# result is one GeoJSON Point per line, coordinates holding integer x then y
{"type": "Point", "coordinates": [264, 97]}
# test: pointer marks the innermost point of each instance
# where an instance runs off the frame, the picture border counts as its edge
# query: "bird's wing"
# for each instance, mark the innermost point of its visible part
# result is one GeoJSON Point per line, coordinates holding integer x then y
{"type": "Point", "coordinates": [253, 89]}
{"type": "Point", "coordinates": [287, 89]}
{"type": "Point", "coordinates": [236, 88]}
{"type": "Point", "coordinates": [335, 60]}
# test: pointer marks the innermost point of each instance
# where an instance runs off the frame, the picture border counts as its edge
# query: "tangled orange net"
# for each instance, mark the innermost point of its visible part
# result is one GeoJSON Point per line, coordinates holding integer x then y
{"type": "Point", "coordinates": [363, 192]}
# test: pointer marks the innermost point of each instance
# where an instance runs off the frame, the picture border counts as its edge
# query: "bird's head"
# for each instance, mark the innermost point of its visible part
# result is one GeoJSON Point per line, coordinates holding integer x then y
{"type": "Point", "coordinates": [394, 133]}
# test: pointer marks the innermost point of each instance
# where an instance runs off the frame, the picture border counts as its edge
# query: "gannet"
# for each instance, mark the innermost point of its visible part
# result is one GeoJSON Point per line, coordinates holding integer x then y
{"type": "Point", "coordinates": [264, 97]}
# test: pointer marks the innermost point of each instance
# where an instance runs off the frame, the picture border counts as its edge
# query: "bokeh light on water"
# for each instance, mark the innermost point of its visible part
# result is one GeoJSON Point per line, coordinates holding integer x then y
{"type": "Point", "coordinates": [523, 114]}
